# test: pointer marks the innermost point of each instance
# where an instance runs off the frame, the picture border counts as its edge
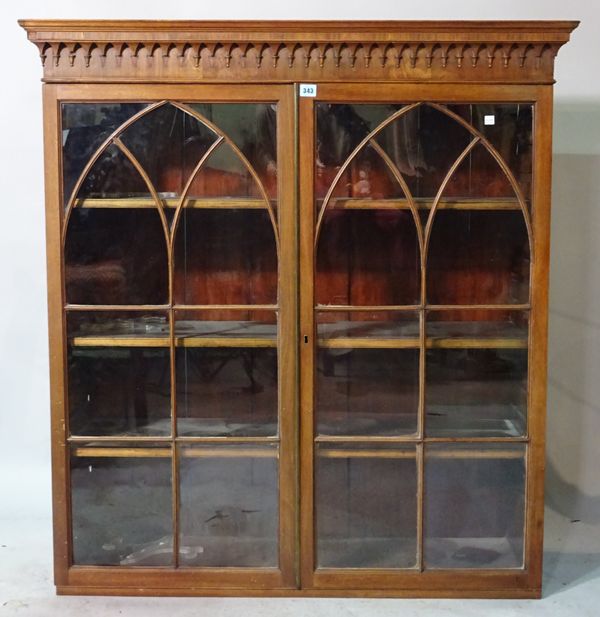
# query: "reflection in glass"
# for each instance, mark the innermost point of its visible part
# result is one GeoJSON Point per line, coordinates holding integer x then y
{"type": "Point", "coordinates": [84, 127]}
{"type": "Point", "coordinates": [115, 256]}
{"type": "Point", "coordinates": [223, 175]}
{"type": "Point", "coordinates": [112, 176]}
{"type": "Point", "coordinates": [423, 143]}
{"type": "Point", "coordinates": [121, 510]}
{"type": "Point", "coordinates": [476, 392]}
{"type": "Point", "coordinates": [116, 386]}
{"type": "Point", "coordinates": [509, 128]}
{"type": "Point", "coordinates": [474, 505]}
{"type": "Point", "coordinates": [168, 143]}
{"type": "Point", "coordinates": [367, 391]}
{"type": "Point", "coordinates": [478, 257]}
{"type": "Point", "coordinates": [252, 127]}
{"type": "Point", "coordinates": [228, 506]}
{"type": "Point", "coordinates": [225, 256]}
{"type": "Point", "coordinates": [226, 391]}
{"type": "Point", "coordinates": [339, 324]}
{"type": "Point", "coordinates": [368, 257]}
{"type": "Point", "coordinates": [366, 506]}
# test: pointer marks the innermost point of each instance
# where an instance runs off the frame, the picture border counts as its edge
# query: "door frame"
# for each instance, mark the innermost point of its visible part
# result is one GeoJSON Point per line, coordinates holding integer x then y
{"type": "Point", "coordinates": [492, 582]}
{"type": "Point", "coordinates": [71, 578]}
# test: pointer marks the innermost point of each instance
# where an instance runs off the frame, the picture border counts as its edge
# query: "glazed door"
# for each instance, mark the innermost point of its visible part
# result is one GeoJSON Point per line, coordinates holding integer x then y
{"type": "Point", "coordinates": [417, 294]}
{"type": "Point", "coordinates": [179, 310]}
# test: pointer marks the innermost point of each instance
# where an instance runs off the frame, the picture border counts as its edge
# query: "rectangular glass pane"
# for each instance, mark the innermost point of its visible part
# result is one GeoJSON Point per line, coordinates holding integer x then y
{"type": "Point", "coordinates": [367, 391]}
{"type": "Point", "coordinates": [509, 128]}
{"type": "Point", "coordinates": [474, 505]}
{"type": "Point", "coordinates": [476, 367]}
{"type": "Point", "coordinates": [84, 127]}
{"type": "Point", "coordinates": [227, 373]}
{"type": "Point", "coordinates": [366, 506]}
{"type": "Point", "coordinates": [118, 373]}
{"type": "Point", "coordinates": [478, 257]}
{"type": "Point", "coordinates": [229, 513]}
{"type": "Point", "coordinates": [121, 505]}
{"type": "Point", "coordinates": [334, 327]}
{"type": "Point", "coordinates": [225, 256]}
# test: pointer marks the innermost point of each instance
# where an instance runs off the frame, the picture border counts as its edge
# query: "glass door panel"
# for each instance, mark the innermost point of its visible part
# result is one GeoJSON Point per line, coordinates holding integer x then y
{"type": "Point", "coordinates": [172, 268]}
{"type": "Point", "coordinates": [362, 523]}
{"type": "Point", "coordinates": [421, 244]}
{"type": "Point", "coordinates": [229, 505]}
{"type": "Point", "coordinates": [474, 505]}
{"type": "Point", "coordinates": [121, 505]}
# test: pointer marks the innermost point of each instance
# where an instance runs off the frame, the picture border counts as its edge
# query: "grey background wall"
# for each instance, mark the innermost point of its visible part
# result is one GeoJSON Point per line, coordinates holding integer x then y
{"type": "Point", "coordinates": [573, 486]}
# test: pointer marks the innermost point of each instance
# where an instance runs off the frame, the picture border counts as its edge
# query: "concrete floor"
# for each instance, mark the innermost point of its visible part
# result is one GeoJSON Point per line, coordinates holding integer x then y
{"type": "Point", "coordinates": [571, 587]}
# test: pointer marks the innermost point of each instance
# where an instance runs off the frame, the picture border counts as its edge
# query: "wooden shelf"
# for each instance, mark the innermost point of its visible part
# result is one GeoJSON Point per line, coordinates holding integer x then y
{"type": "Point", "coordinates": [338, 203]}
{"type": "Point", "coordinates": [234, 334]}
{"type": "Point", "coordinates": [339, 335]}
{"type": "Point", "coordinates": [405, 335]}
{"type": "Point", "coordinates": [466, 203]}
{"type": "Point", "coordinates": [207, 203]}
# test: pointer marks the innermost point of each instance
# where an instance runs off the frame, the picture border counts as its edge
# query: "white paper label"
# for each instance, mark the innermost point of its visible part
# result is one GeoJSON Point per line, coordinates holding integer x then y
{"type": "Point", "coordinates": [308, 89]}
{"type": "Point", "coordinates": [489, 120]}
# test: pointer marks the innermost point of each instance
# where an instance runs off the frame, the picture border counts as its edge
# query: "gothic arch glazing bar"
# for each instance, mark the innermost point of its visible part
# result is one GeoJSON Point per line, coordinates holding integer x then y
{"type": "Point", "coordinates": [352, 156]}
{"type": "Point", "coordinates": [188, 110]}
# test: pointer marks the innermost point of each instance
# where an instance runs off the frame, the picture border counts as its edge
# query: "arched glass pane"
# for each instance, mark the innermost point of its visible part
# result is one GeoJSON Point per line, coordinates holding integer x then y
{"type": "Point", "coordinates": [168, 143]}
{"type": "Point", "coordinates": [84, 127]}
{"type": "Point", "coordinates": [479, 246]}
{"type": "Point", "coordinates": [252, 127]}
{"type": "Point", "coordinates": [115, 251]}
{"type": "Point", "coordinates": [509, 128]}
{"type": "Point", "coordinates": [423, 143]}
{"type": "Point", "coordinates": [223, 176]}
{"type": "Point", "coordinates": [225, 256]}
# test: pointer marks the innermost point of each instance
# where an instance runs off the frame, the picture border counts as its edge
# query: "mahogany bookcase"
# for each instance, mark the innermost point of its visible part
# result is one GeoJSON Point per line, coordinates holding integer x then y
{"type": "Point", "coordinates": [298, 287]}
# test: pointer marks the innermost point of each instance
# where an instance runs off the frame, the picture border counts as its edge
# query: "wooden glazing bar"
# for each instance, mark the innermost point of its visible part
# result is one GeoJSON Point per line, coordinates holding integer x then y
{"type": "Point", "coordinates": [421, 430]}
{"type": "Point", "coordinates": [127, 439]}
{"type": "Point", "coordinates": [457, 440]}
{"type": "Point", "coordinates": [416, 307]}
{"type": "Point", "coordinates": [367, 308]}
{"type": "Point", "coordinates": [405, 189]}
{"type": "Point", "coordinates": [472, 307]}
{"type": "Point", "coordinates": [108, 452]}
{"type": "Point", "coordinates": [117, 307]}
{"type": "Point", "coordinates": [400, 439]}
{"type": "Point", "coordinates": [228, 307]}
{"type": "Point", "coordinates": [366, 453]}
{"type": "Point", "coordinates": [414, 439]}
{"type": "Point", "coordinates": [229, 452]}
{"type": "Point", "coordinates": [473, 453]}
{"type": "Point", "coordinates": [225, 439]}
{"type": "Point", "coordinates": [206, 203]}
